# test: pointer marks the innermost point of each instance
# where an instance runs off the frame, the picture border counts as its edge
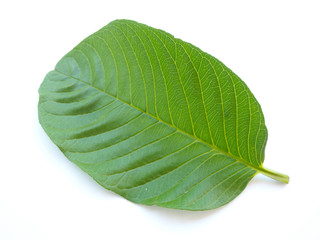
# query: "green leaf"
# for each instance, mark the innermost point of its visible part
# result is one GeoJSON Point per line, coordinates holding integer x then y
{"type": "Point", "coordinates": [154, 118]}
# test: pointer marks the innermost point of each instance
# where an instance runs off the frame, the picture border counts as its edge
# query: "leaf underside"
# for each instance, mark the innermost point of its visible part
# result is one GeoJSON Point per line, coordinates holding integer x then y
{"type": "Point", "coordinates": [154, 118]}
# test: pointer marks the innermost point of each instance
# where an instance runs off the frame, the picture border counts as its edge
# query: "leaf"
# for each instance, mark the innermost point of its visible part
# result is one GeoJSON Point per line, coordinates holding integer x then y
{"type": "Point", "coordinates": [154, 118]}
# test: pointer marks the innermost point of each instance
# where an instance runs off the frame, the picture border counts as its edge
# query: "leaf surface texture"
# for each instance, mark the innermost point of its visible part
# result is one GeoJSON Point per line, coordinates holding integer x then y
{"type": "Point", "coordinates": [154, 118]}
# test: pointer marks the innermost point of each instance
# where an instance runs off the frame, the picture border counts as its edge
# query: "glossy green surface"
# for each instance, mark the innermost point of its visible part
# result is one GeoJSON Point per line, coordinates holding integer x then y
{"type": "Point", "coordinates": [154, 118]}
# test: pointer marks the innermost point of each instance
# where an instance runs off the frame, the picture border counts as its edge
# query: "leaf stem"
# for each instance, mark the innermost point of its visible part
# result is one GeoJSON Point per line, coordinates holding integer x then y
{"type": "Point", "coordinates": [275, 175]}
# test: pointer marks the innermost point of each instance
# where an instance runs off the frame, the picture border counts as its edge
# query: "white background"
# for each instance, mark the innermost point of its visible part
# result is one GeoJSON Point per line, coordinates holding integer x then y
{"type": "Point", "coordinates": [274, 46]}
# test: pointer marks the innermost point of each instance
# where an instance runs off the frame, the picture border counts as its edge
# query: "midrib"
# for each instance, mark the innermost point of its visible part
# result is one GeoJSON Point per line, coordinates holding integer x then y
{"type": "Point", "coordinates": [260, 169]}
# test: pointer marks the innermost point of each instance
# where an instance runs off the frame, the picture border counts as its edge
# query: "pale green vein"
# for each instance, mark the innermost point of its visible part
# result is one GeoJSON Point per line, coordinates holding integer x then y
{"type": "Point", "coordinates": [118, 142]}
{"type": "Point", "coordinates": [196, 184]}
{"type": "Point", "coordinates": [249, 107]}
{"type": "Point", "coordinates": [183, 90]}
{"type": "Point", "coordinates": [150, 163]}
{"type": "Point", "coordinates": [103, 67]}
{"type": "Point", "coordinates": [151, 66]}
{"type": "Point", "coordinates": [73, 95]}
{"type": "Point", "coordinates": [174, 169]}
{"type": "Point", "coordinates": [139, 65]}
{"type": "Point", "coordinates": [128, 153]}
{"type": "Point", "coordinates": [158, 60]}
{"type": "Point", "coordinates": [237, 109]}
{"type": "Point", "coordinates": [125, 58]}
{"type": "Point", "coordinates": [77, 114]}
{"type": "Point", "coordinates": [217, 184]}
{"type": "Point", "coordinates": [166, 85]}
{"type": "Point", "coordinates": [109, 130]}
{"type": "Point", "coordinates": [221, 99]}
{"type": "Point", "coordinates": [256, 140]}
{"type": "Point", "coordinates": [234, 182]}
{"type": "Point", "coordinates": [88, 60]}
{"type": "Point", "coordinates": [187, 175]}
{"type": "Point", "coordinates": [249, 153]}
{"type": "Point", "coordinates": [114, 61]}
{"type": "Point", "coordinates": [262, 149]}
{"type": "Point", "coordinates": [202, 99]}
{"type": "Point", "coordinates": [80, 128]}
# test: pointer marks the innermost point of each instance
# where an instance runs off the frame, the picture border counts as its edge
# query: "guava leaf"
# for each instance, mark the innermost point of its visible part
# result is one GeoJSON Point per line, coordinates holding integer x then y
{"type": "Point", "coordinates": [154, 118]}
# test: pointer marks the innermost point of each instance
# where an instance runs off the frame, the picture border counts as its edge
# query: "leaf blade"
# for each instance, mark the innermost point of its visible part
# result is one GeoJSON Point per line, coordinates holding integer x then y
{"type": "Point", "coordinates": [129, 102]}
